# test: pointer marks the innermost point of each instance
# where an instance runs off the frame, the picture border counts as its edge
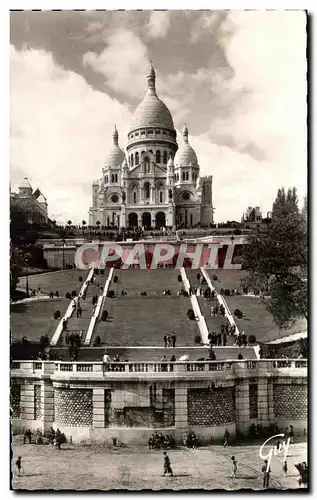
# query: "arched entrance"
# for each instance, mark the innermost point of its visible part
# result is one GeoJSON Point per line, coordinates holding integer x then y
{"type": "Point", "coordinates": [160, 220]}
{"type": "Point", "coordinates": [133, 219]}
{"type": "Point", "coordinates": [146, 219]}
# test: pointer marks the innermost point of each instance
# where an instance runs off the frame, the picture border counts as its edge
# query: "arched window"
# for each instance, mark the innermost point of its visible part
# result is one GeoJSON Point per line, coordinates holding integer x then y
{"type": "Point", "coordinates": [137, 159]}
{"type": "Point", "coordinates": [161, 197]}
{"type": "Point", "coordinates": [106, 179]}
{"type": "Point", "coordinates": [134, 197]}
{"type": "Point", "coordinates": [165, 157]}
{"type": "Point", "coordinates": [112, 178]}
{"type": "Point", "coordinates": [158, 157]}
{"type": "Point", "coordinates": [147, 190]}
{"type": "Point", "coordinates": [183, 176]}
{"type": "Point", "coordinates": [132, 160]}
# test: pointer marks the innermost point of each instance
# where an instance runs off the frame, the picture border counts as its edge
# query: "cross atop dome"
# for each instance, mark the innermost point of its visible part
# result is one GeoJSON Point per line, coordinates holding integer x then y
{"type": "Point", "coordinates": [151, 78]}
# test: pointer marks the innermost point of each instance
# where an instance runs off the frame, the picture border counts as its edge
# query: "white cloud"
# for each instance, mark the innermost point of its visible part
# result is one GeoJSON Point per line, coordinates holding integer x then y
{"type": "Point", "coordinates": [158, 25]}
{"type": "Point", "coordinates": [60, 131]}
{"type": "Point", "coordinates": [123, 62]}
{"type": "Point", "coordinates": [268, 55]}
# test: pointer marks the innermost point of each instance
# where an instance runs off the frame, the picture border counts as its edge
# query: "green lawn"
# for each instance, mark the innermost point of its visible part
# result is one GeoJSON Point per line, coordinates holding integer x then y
{"type": "Point", "coordinates": [143, 321]}
{"type": "Point", "coordinates": [63, 281]}
{"type": "Point", "coordinates": [153, 281]}
{"type": "Point", "coordinates": [33, 319]}
{"type": "Point", "coordinates": [257, 320]}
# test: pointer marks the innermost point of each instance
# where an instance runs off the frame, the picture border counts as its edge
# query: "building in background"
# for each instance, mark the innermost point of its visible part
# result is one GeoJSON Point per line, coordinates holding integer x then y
{"type": "Point", "coordinates": [156, 182]}
{"type": "Point", "coordinates": [32, 202]}
{"type": "Point", "coordinates": [252, 216]}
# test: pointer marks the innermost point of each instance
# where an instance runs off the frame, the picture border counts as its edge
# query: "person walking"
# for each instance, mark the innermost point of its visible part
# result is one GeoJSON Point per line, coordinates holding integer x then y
{"type": "Point", "coordinates": [18, 465]}
{"type": "Point", "coordinates": [167, 465]}
{"type": "Point", "coordinates": [234, 467]}
{"type": "Point", "coordinates": [226, 438]}
{"type": "Point", "coordinates": [285, 467]}
{"type": "Point", "coordinates": [266, 471]}
{"type": "Point", "coordinates": [173, 339]}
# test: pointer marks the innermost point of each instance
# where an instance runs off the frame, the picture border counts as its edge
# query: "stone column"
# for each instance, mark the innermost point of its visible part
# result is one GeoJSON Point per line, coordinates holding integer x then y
{"type": "Point", "coordinates": [242, 406]}
{"type": "Point", "coordinates": [98, 408]}
{"type": "Point", "coordinates": [27, 402]}
{"type": "Point", "coordinates": [153, 194]}
{"type": "Point", "coordinates": [47, 405]}
{"type": "Point", "coordinates": [181, 414]}
{"type": "Point", "coordinates": [263, 410]}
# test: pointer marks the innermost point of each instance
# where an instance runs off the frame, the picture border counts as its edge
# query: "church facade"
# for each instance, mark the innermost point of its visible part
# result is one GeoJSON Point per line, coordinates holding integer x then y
{"type": "Point", "coordinates": [157, 182]}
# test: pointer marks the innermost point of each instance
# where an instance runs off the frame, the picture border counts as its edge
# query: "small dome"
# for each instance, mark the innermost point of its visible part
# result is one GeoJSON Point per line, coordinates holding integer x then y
{"type": "Point", "coordinates": [124, 164]}
{"type": "Point", "coordinates": [115, 155]}
{"type": "Point", "coordinates": [151, 112]}
{"type": "Point", "coordinates": [170, 162]}
{"type": "Point", "coordinates": [185, 155]}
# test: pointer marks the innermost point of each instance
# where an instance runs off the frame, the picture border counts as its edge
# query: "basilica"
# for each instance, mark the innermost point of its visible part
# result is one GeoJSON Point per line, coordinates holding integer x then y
{"type": "Point", "coordinates": [156, 182]}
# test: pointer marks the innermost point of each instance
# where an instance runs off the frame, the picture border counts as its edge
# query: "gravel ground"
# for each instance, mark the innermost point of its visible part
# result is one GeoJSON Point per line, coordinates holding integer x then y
{"type": "Point", "coordinates": [99, 468]}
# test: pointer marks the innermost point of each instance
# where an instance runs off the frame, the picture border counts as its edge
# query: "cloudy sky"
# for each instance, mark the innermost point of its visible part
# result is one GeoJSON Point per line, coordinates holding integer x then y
{"type": "Point", "coordinates": [237, 78]}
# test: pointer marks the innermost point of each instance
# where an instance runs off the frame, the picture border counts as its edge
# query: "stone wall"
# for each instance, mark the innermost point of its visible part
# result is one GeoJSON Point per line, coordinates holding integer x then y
{"type": "Point", "coordinates": [140, 407]}
{"type": "Point", "coordinates": [290, 401]}
{"type": "Point", "coordinates": [15, 400]}
{"type": "Point", "coordinates": [211, 407]}
{"type": "Point", "coordinates": [253, 399]}
{"type": "Point", "coordinates": [73, 407]}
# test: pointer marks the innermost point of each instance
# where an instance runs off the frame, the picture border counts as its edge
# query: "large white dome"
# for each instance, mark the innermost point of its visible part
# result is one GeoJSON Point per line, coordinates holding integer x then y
{"type": "Point", "coordinates": [151, 112]}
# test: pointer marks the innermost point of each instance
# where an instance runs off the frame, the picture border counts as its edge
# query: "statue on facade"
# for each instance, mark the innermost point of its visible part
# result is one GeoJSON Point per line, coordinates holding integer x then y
{"type": "Point", "coordinates": [123, 197]}
{"type": "Point", "coordinates": [170, 194]}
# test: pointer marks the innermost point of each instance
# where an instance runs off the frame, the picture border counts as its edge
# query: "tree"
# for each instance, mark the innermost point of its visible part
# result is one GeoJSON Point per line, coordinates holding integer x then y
{"type": "Point", "coordinates": [98, 223]}
{"type": "Point", "coordinates": [276, 260]}
{"type": "Point", "coordinates": [84, 223]}
{"type": "Point", "coordinates": [69, 222]}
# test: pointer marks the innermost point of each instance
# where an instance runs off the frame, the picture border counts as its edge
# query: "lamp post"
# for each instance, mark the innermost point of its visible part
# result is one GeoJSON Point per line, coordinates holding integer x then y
{"type": "Point", "coordinates": [26, 280]}
{"type": "Point", "coordinates": [63, 241]}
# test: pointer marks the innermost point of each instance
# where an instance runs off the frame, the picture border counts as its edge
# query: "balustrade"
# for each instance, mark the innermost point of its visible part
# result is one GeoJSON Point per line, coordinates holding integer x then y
{"type": "Point", "coordinates": [157, 367]}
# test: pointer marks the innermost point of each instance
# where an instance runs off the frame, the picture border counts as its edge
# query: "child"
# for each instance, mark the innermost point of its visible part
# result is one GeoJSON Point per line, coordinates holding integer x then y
{"type": "Point", "coordinates": [234, 466]}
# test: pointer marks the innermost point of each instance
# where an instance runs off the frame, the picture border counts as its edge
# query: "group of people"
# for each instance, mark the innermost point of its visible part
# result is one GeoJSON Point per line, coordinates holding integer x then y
{"type": "Point", "coordinates": [218, 310]}
{"type": "Point", "coordinates": [52, 294]}
{"type": "Point", "coordinates": [159, 441]}
{"type": "Point", "coordinates": [56, 438]}
{"type": "Point", "coordinates": [170, 340]}
{"type": "Point", "coordinates": [189, 439]}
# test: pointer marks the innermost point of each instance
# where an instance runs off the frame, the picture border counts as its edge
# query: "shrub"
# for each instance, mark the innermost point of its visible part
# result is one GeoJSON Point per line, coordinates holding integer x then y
{"type": "Point", "coordinates": [238, 313]}
{"type": "Point", "coordinates": [96, 271]}
{"type": "Point", "coordinates": [68, 295]}
{"type": "Point", "coordinates": [102, 271]}
{"type": "Point", "coordinates": [74, 293]}
{"type": "Point", "coordinates": [115, 279]}
{"type": "Point", "coordinates": [222, 291]}
{"type": "Point", "coordinates": [80, 278]}
{"type": "Point", "coordinates": [197, 339]}
{"type": "Point", "coordinates": [179, 278]}
{"type": "Point", "coordinates": [104, 316]}
{"type": "Point", "coordinates": [57, 314]}
{"type": "Point", "coordinates": [252, 339]}
{"type": "Point", "coordinates": [97, 341]}
{"type": "Point", "coordinates": [110, 294]}
{"type": "Point", "coordinates": [227, 291]}
{"type": "Point", "coordinates": [214, 277]}
{"type": "Point", "coordinates": [191, 314]}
